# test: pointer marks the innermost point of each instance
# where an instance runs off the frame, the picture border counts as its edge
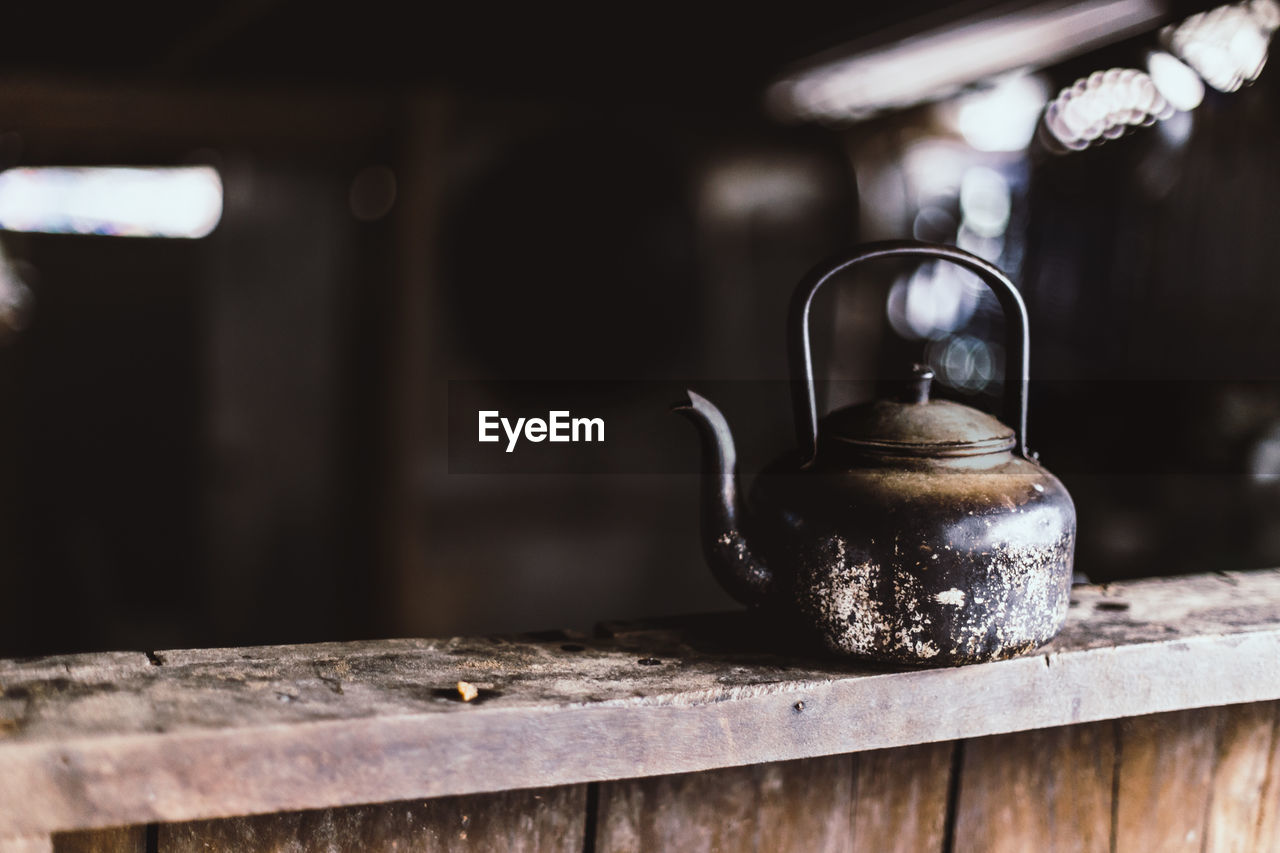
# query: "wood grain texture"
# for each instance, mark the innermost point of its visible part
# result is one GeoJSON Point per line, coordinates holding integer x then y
{"type": "Point", "coordinates": [1045, 790]}
{"type": "Point", "coordinates": [121, 839]}
{"type": "Point", "coordinates": [1166, 765]}
{"type": "Point", "coordinates": [531, 821]}
{"type": "Point", "coordinates": [1242, 795]}
{"type": "Point", "coordinates": [804, 805]}
{"type": "Point", "coordinates": [788, 806]}
{"type": "Point", "coordinates": [94, 741]}
{"type": "Point", "coordinates": [1268, 828]}
{"type": "Point", "coordinates": [900, 798]}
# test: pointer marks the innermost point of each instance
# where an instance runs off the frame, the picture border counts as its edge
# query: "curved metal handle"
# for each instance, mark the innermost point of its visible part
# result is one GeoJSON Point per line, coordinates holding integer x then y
{"type": "Point", "coordinates": [1017, 348]}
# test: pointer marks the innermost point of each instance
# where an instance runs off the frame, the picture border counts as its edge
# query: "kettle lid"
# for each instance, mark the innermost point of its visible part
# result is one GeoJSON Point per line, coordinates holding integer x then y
{"type": "Point", "coordinates": [915, 425]}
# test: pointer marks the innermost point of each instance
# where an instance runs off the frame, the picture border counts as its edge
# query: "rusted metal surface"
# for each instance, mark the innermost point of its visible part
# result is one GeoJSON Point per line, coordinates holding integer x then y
{"type": "Point", "coordinates": [934, 567]}
{"type": "Point", "coordinates": [1017, 340]}
{"type": "Point", "coordinates": [909, 531]}
{"type": "Point", "coordinates": [904, 427]}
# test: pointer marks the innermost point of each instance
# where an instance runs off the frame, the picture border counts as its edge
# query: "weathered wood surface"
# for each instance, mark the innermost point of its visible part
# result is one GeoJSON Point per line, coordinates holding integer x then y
{"type": "Point", "coordinates": [1045, 790]}
{"type": "Point", "coordinates": [528, 821]}
{"type": "Point", "coordinates": [901, 797]}
{"type": "Point", "coordinates": [1242, 792]}
{"type": "Point", "coordinates": [102, 740]}
{"type": "Point", "coordinates": [124, 839]}
{"type": "Point", "coordinates": [1198, 780]}
{"type": "Point", "coordinates": [1060, 789]}
{"type": "Point", "coordinates": [1267, 833]}
{"type": "Point", "coordinates": [791, 805]}
{"type": "Point", "coordinates": [1166, 764]}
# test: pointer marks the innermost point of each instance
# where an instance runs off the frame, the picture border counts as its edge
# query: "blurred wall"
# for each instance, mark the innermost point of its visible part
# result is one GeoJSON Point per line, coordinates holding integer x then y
{"type": "Point", "coordinates": [242, 439]}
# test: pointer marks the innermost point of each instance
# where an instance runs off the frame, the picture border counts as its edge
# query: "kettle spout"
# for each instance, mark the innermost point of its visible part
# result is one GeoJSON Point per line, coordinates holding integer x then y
{"type": "Point", "coordinates": [724, 542]}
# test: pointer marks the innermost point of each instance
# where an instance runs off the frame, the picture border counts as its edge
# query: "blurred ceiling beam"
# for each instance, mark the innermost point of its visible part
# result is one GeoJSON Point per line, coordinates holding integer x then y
{"type": "Point", "coordinates": [900, 68]}
{"type": "Point", "coordinates": [71, 120]}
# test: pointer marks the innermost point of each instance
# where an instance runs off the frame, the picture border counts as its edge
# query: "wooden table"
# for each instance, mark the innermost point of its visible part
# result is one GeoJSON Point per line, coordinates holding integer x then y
{"type": "Point", "coordinates": [1149, 724]}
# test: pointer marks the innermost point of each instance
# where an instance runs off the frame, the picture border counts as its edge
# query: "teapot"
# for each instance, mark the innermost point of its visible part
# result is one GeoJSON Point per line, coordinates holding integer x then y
{"type": "Point", "coordinates": [907, 531]}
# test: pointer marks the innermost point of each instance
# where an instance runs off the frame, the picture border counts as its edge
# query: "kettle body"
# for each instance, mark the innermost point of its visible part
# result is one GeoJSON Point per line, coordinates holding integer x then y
{"type": "Point", "coordinates": [906, 531]}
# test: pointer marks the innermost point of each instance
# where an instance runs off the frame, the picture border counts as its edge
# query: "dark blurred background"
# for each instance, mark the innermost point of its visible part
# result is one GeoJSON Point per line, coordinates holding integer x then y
{"type": "Point", "coordinates": [224, 381]}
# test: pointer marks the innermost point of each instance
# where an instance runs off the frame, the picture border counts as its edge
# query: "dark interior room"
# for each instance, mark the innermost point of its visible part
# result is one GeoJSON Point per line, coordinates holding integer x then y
{"type": "Point", "coordinates": [264, 262]}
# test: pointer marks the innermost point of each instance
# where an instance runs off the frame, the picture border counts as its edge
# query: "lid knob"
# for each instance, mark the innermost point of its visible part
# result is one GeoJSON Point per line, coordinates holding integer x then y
{"type": "Point", "coordinates": [917, 387]}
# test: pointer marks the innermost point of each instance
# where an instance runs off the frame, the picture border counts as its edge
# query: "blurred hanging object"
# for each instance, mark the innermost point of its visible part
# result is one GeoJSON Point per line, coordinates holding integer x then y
{"type": "Point", "coordinates": [16, 299]}
{"type": "Point", "coordinates": [888, 72]}
{"type": "Point", "coordinates": [992, 51]}
{"type": "Point", "coordinates": [1102, 106]}
{"type": "Point", "coordinates": [1179, 85]}
{"type": "Point", "coordinates": [1001, 117]}
{"type": "Point", "coordinates": [1225, 47]}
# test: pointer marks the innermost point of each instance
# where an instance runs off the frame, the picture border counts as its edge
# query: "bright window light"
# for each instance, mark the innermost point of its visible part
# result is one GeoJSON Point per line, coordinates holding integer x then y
{"type": "Point", "coordinates": [183, 201]}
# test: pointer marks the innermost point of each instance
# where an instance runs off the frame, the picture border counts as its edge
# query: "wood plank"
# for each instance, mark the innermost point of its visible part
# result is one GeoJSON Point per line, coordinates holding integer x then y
{"type": "Point", "coordinates": [804, 805]}
{"type": "Point", "coordinates": [1242, 793]}
{"type": "Point", "coordinates": [706, 811]}
{"type": "Point", "coordinates": [1044, 790]}
{"type": "Point", "coordinates": [549, 819]}
{"type": "Point", "coordinates": [227, 732]}
{"type": "Point", "coordinates": [900, 798]}
{"type": "Point", "coordinates": [120, 839]}
{"type": "Point", "coordinates": [1166, 765]}
{"type": "Point", "coordinates": [1267, 838]}
{"type": "Point", "coordinates": [786, 806]}
{"type": "Point", "coordinates": [26, 844]}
